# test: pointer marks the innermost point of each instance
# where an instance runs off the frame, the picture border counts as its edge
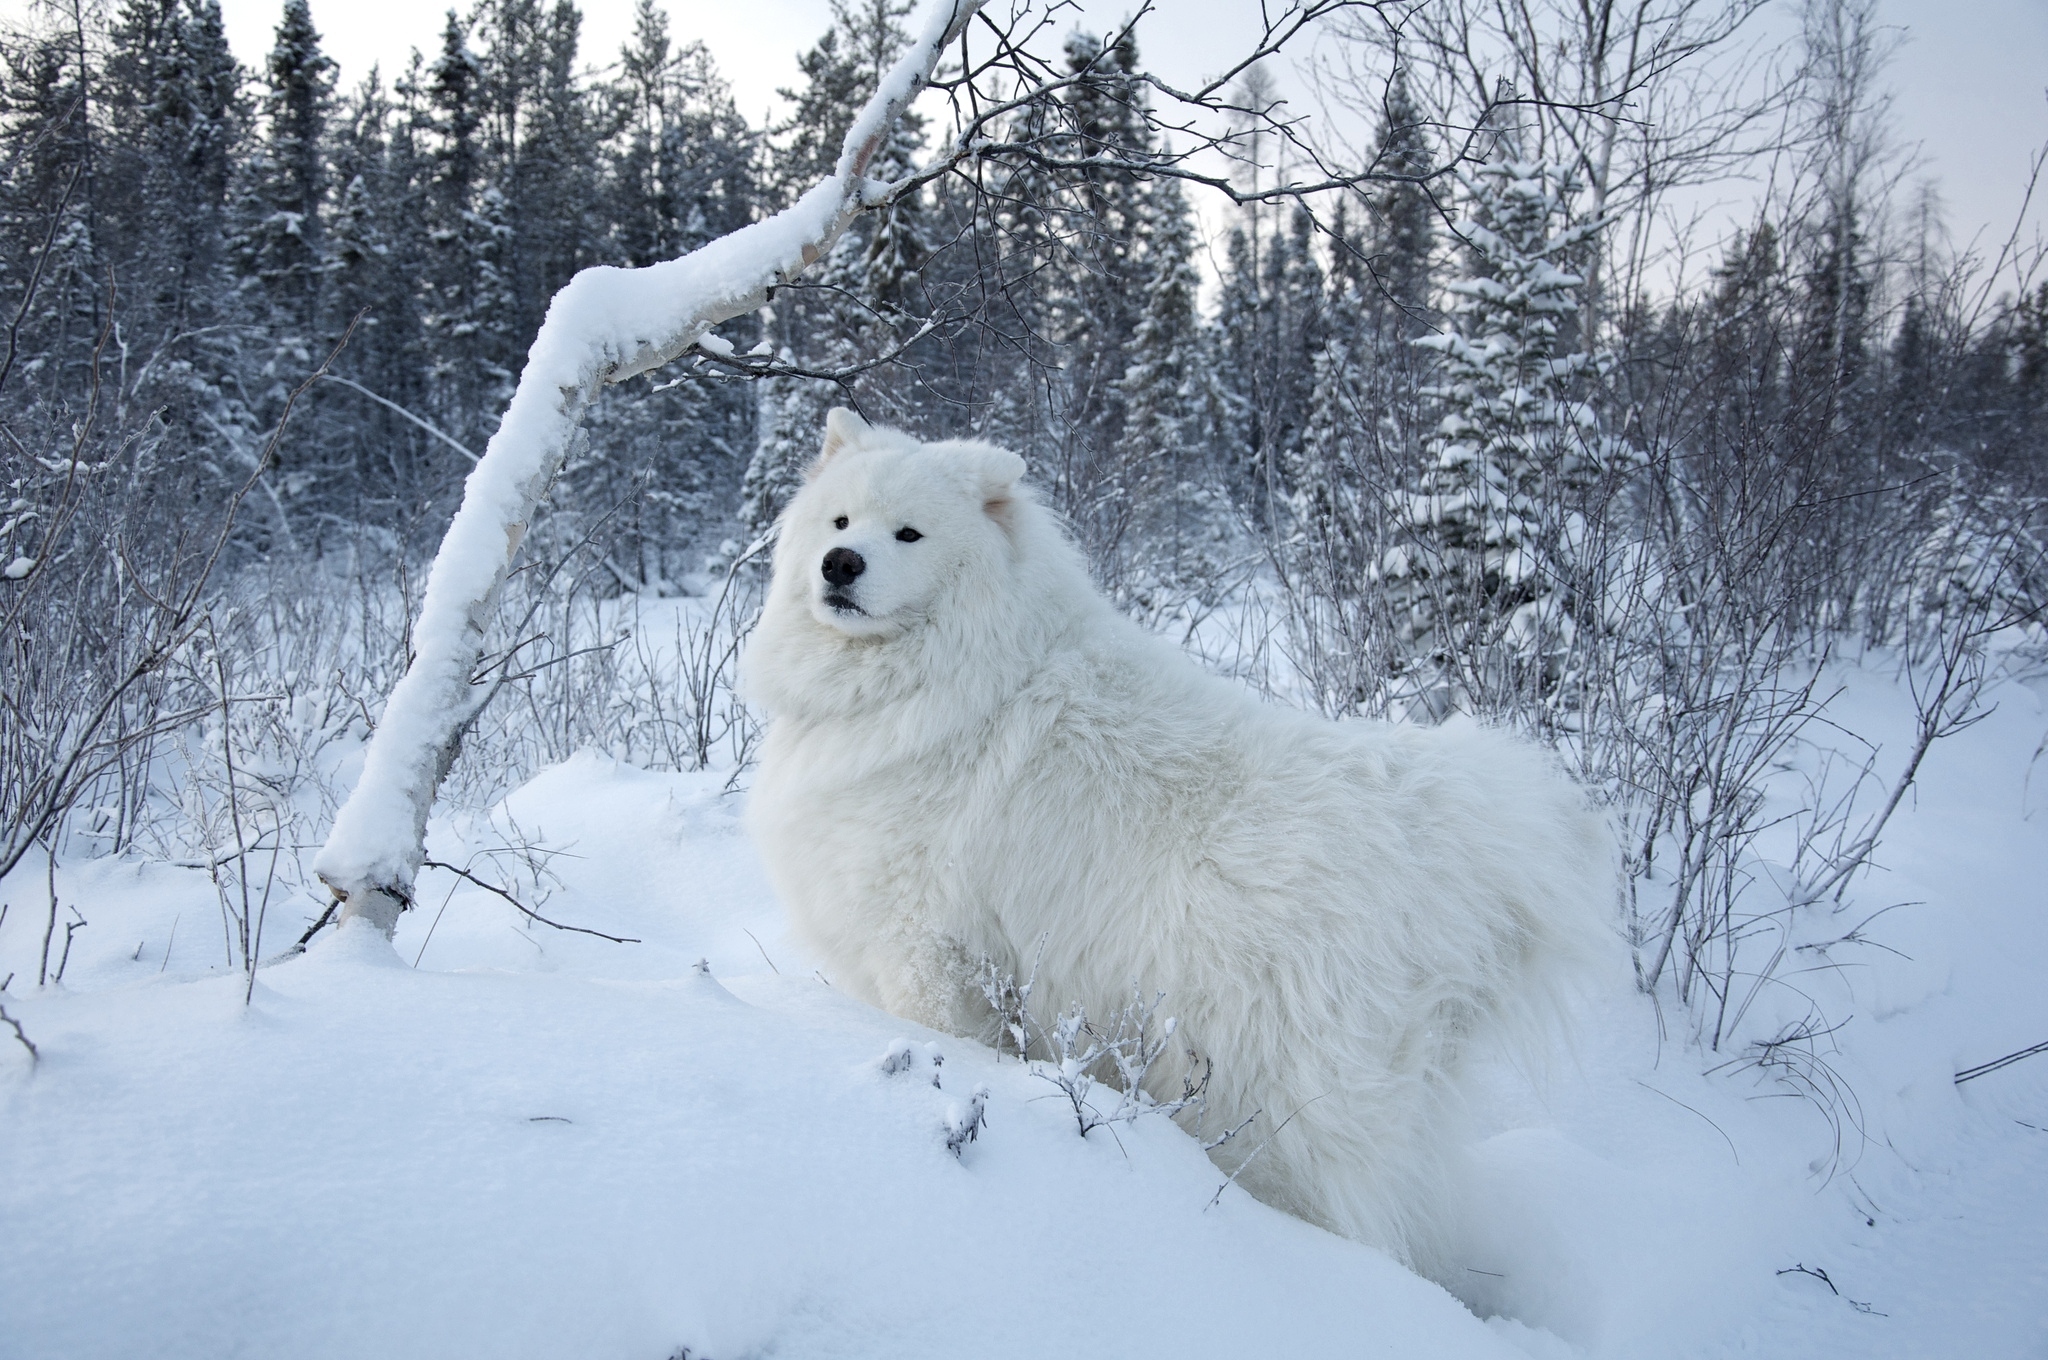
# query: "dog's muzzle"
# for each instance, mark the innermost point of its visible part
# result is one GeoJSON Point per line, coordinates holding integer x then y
{"type": "Point", "coordinates": [842, 566]}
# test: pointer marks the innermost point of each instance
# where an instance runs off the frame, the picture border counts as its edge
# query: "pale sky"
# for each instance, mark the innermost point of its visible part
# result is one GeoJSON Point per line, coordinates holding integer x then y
{"type": "Point", "coordinates": [1970, 82]}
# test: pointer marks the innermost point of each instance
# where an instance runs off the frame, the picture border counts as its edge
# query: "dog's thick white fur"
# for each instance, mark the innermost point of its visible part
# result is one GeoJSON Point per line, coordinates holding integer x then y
{"type": "Point", "coordinates": [971, 755]}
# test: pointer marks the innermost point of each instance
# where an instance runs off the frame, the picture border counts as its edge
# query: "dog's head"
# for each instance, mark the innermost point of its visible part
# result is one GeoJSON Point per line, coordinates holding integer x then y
{"type": "Point", "coordinates": [885, 525]}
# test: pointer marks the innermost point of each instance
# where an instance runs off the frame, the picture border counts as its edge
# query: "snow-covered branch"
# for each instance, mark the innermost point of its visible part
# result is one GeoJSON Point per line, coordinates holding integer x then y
{"type": "Point", "coordinates": [608, 324]}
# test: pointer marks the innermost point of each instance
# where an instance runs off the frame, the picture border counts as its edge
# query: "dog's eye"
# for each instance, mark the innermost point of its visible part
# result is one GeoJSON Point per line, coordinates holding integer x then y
{"type": "Point", "coordinates": [839, 523]}
{"type": "Point", "coordinates": [907, 535]}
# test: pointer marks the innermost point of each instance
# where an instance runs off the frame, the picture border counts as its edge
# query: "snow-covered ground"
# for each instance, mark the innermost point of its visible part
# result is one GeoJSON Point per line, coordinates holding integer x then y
{"type": "Point", "coordinates": [499, 1139]}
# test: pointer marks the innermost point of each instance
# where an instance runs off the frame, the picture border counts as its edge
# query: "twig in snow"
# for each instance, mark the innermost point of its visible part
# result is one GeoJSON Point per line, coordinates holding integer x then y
{"type": "Point", "coordinates": [526, 910]}
{"type": "Point", "coordinates": [764, 952]}
{"type": "Point", "coordinates": [70, 928]}
{"type": "Point", "coordinates": [1229, 1134]}
{"type": "Point", "coordinates": [50, 930]}
{"type": "Point", "coordinates": [33, 1056]}
{"type": "Point", "coordinates": [1710, 1123]}
{"type": "Point", "coordinates": [1984, 1069]}
{"type": "Point", "coordinates": [1252, 1156]}
{"type": "Point", "coordinates": [1820, 1274]}
{"type": "Point", "coordinates": [311, 930]}
{"type": "Point", "coordinates": [450, 897]}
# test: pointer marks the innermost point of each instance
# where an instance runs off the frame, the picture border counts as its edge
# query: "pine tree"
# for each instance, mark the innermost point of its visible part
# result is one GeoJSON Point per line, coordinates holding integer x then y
{"type": "Point", "coordinates": [1270, 326]}
{"type": "Point", "coordinates": [1403, 234]}
{"type": "Point", "coordinates": [459, 330]}
{"type": "Point", "coordinates": [1323, 471]}
{"type": "Point", "coordinates": [279, 249]}
{"type": "Point", "coordinates": [1094, 299]}
{"type": "Point", "coordinates": [1482, 544]}
{"type": "Point", "coordinates": [1836, 302]}
{"type": "Point", "coordinates": [646, 202]}
{"type": "Point", "coordinates": [1007, 372]}
{"type": "Point", "coordinates": [556, 192]}
{"type": "Point", "coordinates": [284, 239]}
{"type": "Point", "coordinates": [1297, 332]}
{"type": "Point", "coordinates": [358, 247]}
{"type": "Point", "coordinates": [1105, 112]}
{"type": "Point", "coordinates": [1162, 395]}
{"type": "Point", "coordinates": [170, 78]}
{"type": "Point", "coordinates": [1235, 355]}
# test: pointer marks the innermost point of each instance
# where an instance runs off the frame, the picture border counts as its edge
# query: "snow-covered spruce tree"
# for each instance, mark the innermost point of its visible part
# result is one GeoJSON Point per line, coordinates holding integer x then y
{"type": "Point", "coordinates": [1480, 565]}
{"type": "Point", "coordinates": [280, 254]}
{"type": "Point", "coordinates": [1323, 470]}
{"type": "Point", "coordinates": [837, 335]}
{"type": "Point", "coordinates": [1170, 402]}
{"type": "Point", "coordinates": [1361, 404]}
{"type": "Point", "coordinates": [787, 421]}
{"type": "Point", "coordinates": [1016, 360]}
{"type": "Point", "coordinates": [282, 207]}
{"type": "Point", "coordinates": [1401, 238]}
{"type": "Point", "coordinates": [388, 471]}
{"type": "Point", "coordinates": [159, 209]}
{"type": "Point", "coordinates": [171, 81]}
{"type": "Point", "coordinates": [898, 240]}
{"type": "Point", "coordinates": [1161, 388]}
{"type": "Point", "coordinates": [466, 370]}
{"type": "Point", "coordinates": [1104, 215]}
{"type": "Point", "coordinates": [1269, 325]}
{"type": "Point", "coordinates": [1233, 355]}
{"type": "Point", "coordinates": [1361, 436]}
{"type": "Point", "coordinates": [1296, 331]}
{"type": "Point", "coordinates": [555, 181]}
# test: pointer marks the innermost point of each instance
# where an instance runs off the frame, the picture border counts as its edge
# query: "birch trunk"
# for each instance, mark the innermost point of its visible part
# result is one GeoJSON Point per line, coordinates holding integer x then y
{"type": "Point", "coordinates": [606, 325]}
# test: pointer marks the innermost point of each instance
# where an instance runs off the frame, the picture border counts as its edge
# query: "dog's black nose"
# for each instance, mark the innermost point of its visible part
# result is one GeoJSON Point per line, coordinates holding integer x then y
{"type": "Point", "coordinates": [842, 565]}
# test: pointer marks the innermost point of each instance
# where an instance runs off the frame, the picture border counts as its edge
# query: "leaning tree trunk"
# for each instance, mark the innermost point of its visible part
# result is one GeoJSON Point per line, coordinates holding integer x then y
{"type": "Point", "coordinates": [606, 325]}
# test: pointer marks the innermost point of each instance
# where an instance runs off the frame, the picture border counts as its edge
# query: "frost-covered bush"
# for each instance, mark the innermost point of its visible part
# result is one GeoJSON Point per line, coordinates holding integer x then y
{"type": "Point", "coordinates": [1078, 1055]}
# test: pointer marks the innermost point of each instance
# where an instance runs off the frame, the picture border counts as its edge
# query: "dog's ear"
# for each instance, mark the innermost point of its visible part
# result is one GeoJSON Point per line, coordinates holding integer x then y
{"type": "Point", "coordinates": [842, 427]}
{"type": "Point", "coordinates": [996, 472]}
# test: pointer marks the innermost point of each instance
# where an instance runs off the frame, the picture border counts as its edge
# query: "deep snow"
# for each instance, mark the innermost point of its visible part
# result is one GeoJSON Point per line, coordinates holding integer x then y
{"type": "Point", "coordinates": [546, 1144]}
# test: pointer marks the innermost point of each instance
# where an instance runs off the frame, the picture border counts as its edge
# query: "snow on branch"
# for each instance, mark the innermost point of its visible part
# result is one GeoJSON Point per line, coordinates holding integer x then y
{"type": "Point", "coordinates": [606, 325]}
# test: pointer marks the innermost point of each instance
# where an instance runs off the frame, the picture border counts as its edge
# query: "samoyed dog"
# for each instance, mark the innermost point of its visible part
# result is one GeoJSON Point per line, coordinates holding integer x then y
{"type": "Point", "coordinates": [972, 756]}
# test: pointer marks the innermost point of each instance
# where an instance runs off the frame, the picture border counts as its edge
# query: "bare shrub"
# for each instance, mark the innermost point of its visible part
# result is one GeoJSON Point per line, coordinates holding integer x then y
{"type": "Point", "coordinates": [1076, 1054]}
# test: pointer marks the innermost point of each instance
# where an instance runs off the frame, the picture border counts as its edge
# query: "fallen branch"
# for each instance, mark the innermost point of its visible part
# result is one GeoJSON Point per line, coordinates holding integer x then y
{"type": "Point", "coordinates": [529, 911]}
{"type": "Point", "coordinates": [314, 929]}
{"type": "Point", "coordinates": [1986, 1069]}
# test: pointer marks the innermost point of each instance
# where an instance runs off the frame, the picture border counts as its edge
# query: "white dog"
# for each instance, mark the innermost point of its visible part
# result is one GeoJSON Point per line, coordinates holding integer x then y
{"type": "Point", "coordinates": [972, 756]}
